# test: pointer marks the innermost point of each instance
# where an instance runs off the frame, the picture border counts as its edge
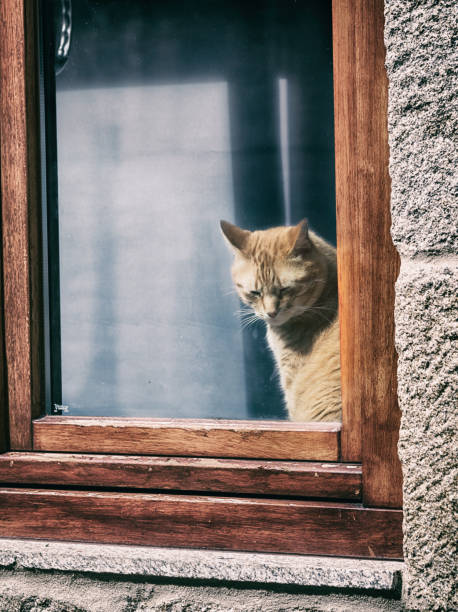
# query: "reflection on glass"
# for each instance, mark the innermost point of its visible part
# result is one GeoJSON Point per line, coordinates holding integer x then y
{"type": "Point", "coordinates": [171, 116]}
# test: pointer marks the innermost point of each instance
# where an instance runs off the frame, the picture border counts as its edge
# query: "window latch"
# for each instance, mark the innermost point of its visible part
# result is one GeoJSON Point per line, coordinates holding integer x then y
{"type": "Point", "coordinates": [57, 409]}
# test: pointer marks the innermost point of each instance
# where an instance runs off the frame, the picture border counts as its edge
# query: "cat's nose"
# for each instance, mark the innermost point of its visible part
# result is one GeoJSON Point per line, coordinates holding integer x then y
{"type": "Point", "coordinates": [271, 304]}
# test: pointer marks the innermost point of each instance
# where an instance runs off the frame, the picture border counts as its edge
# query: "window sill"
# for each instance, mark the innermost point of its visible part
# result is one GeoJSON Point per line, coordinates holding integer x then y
{"type": "Point", "coordinates": [254, 568]}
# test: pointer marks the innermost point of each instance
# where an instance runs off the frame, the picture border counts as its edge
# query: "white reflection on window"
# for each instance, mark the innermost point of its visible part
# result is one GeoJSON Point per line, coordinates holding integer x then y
{"type": "Point", "coordinates": [284, 146]}
{"type": "Point", "coordinates": [144, 177]}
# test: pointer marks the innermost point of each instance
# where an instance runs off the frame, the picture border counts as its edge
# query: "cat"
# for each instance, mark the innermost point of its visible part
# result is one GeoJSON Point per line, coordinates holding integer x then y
{"type": "Point", "coordinates": [288, 278]}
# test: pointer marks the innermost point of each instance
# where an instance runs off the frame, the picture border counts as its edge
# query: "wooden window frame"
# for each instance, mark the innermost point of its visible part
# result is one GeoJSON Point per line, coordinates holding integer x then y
{"type": "Point", "coordinates": [323, 488]}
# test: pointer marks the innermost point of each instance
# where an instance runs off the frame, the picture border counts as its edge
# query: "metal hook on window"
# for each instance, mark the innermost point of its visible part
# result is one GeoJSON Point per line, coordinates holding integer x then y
{"type": "Point", "coordinates": [65, 38]}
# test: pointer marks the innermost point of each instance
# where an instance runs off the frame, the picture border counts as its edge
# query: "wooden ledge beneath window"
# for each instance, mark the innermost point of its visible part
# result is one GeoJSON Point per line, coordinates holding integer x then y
{"type": "Point", "coordinates": [188, 437]}
{"type": "Point", "coordinates": [225, 523]}
{"type": "Point", "coordinates": [241, 476]}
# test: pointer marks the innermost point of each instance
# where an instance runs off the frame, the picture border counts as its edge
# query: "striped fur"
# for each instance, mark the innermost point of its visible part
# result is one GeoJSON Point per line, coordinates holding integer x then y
{"type": "Point", "coordinates": [288, 278]}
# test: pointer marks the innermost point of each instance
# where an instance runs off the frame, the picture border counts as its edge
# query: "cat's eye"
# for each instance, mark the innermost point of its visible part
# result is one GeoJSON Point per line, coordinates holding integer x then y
{"type": "Point", "coordinates": [255, 293]}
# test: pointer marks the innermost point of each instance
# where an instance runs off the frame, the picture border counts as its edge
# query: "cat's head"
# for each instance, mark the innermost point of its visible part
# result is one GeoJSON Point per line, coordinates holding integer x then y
{"type": "Point", "coordinates": [278, 272]}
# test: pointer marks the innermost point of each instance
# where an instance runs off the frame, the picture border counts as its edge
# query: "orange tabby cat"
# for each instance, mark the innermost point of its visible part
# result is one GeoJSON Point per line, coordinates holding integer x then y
{"type": "Point", "coordinates": [288, 277]}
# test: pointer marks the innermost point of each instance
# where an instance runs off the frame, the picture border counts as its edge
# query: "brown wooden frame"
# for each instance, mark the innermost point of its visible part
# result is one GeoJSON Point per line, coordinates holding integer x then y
{"type": "Point", "coordinates": [277, 464]}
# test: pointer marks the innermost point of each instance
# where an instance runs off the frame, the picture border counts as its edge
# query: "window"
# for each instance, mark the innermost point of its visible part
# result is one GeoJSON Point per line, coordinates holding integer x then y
{"type": "Point", "coordinates": [192, 112]}
{"type": "Point", "coordinates": [184, 482]}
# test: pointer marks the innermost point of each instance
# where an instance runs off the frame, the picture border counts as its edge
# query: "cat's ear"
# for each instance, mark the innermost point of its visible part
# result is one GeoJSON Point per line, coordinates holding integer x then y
{"type": "Point", "coordinates": [300, 239]}
{"type": "Point", "coordinates": [236, 237]}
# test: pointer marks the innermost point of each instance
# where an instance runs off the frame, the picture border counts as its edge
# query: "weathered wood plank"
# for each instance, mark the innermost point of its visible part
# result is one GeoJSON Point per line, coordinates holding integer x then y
{"type": "Point", "coordinates": [367, 260]}
{"type": "Point", "coordinates": [293, 478]}
{"type": "Point", "coordinates": [3, 389]}
{"type": "Point", "coordinates": [34, 208]}
{"type": "Point", "coordinates": [204, 522]}
{"type": "Point", "coordinates": [188, 437]}
{"type": "Point", "coordinates": [19, 162]}
{"type": "Point", "coordinates": [348, 262]}
{"type": "Point", "coordinates": [16, 273]}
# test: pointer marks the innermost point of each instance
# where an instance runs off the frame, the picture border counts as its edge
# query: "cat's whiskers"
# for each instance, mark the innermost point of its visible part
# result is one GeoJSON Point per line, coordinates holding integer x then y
{"type": "Point", "coordinates": [319, 310]}
{"type": "Point", "coordinates": [244, 311]}
{"type": "Point", "coordinates": [248, 314]}
{"type": "Point", "coordinates": [247, 322]}
{"type": "Point", "coordinates": [248, 317]}
{"type": "Point", "coordinates": [230, 292]}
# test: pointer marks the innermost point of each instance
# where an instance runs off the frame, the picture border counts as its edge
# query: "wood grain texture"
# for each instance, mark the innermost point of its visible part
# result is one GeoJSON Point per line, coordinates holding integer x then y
{"type": "Point", "coordinates": [293, 478]}
{"type": "Point", "coordinates": [19, 195]}
{"type": "Point", "coordinates": [3, 389]}
{"type": "Point", "coordinates": [367, 260]}
{"type": "Point", "coordinates": [34, 208]}
{"type": "Point", "coordinates": [262, 525]}
{"type": "Point", "coordinates": [188, 437]}
{"type": "Point", "coordinates": [15, 221]}
{"type": "Point", "coordinates": [4, 438]}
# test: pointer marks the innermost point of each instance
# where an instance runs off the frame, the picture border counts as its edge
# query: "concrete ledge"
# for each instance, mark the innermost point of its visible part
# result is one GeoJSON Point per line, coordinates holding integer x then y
{"type": "Point", "coordinates": [201, 565]}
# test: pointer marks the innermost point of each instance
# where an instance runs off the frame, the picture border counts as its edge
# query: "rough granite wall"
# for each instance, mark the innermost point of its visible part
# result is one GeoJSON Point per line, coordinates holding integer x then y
{"type": "Point", "coordinates": [64, 592]}
{"type": "Point", "coordinates": [420, 37]}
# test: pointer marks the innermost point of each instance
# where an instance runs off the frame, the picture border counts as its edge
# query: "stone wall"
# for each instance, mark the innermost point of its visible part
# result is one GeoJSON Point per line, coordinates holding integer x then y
{"type": "Point", "coordinates": [75, 577]}
{"type": "Point", "coordinates": [420, 37]}
{"type": "Point", "coordinates": [70, 592]}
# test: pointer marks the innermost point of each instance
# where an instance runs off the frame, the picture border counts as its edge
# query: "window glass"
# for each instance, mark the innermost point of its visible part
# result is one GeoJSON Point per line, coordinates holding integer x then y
{"type": "Point", "coordinates": [170, 116]}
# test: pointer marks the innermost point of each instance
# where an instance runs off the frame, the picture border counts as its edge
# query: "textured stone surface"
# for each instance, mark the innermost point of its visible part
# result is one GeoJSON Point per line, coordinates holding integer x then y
{"type": "Point", "coordinates": [426, 333]}
{"type": "Point", "coordinates": [56, 592]}
{"type": "Point", "coordinates": [420, 37]}
{"type": "Point", "coordinates": [201, 565]}
{"type": "Point", "coordinates": [422, 123]}
{"type": "Point", "coordinates": [421, 60]}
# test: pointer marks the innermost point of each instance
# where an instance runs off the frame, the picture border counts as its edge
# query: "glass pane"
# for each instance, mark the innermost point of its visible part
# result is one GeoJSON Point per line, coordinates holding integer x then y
{"type": "Point", "coordinates": [164, 118]}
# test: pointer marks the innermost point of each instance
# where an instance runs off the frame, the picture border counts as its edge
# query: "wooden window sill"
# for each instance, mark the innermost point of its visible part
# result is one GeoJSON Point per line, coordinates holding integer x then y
{"type": "Point", "coordinates": [188, 437]}
{"type": "Point", "coordinates": [202, 475]}
{"type": "Point", "coordinates": [311, 527]}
